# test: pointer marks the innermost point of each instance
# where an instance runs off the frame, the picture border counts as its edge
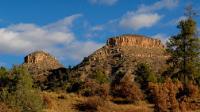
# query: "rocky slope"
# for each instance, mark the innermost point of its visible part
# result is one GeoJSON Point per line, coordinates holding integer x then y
{"type": "Point", "coordinates": [120, 54]}
{"type": "Point", "coordinates": [40, 64]}
{"type": "Point", "coordinates": [123, 53]}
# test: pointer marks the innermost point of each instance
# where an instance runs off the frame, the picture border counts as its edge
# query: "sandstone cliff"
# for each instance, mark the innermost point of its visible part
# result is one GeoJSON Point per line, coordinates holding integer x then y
{"type": "Point", "coordinates": [39, 64]}
{"type": "Point", "coordinates": [135, 40]}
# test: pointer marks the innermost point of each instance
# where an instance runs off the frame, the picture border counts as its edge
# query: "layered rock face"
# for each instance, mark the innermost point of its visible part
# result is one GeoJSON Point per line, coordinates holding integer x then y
{"type": "Point", "coordinates": [122, 54]}
{"type": "Point", "coordinates": [39, 64]}
{"type": "Point", "coordinates": [134, 40]}
{"type": "Point", "coordinates": [42, 58]}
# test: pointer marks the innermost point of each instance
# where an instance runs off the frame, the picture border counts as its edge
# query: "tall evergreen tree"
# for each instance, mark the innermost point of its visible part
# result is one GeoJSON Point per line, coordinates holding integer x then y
{"type": "Point", "coordinates": [184, 49]}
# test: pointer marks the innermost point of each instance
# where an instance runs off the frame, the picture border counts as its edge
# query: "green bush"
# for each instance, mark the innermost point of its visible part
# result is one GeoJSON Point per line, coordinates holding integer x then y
{"type": "Point", "coordinates": [144, 75]}
{"type": "Point", "coordinates": [74, 85]}
{"type": "Point", "coordinates": [22, 95]}
{"type": "Point", "coordinates": [100, 77]}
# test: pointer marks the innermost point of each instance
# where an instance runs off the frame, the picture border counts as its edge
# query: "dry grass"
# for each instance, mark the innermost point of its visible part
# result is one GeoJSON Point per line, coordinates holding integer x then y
{"type": "Point", "coordinates": [68, 101]}
{"type": "Point", "coordinates": [60, 102]}
{"type": "Point", "coordinates": [6, 108]}
{"type": "Point", "coordinates": [139, 107]}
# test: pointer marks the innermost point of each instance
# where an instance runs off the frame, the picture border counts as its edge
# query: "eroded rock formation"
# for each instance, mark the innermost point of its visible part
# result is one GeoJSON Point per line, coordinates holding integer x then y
{"type": "Point", "coordinates": [135, 40]}
{"type": "Point", "coordinates": [42, 58]}
{"type": "Point", "coordinates": [39, 63]}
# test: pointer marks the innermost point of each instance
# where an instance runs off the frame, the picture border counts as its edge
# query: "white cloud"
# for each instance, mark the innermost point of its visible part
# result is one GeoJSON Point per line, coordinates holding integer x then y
{"type": "Point", "coordinates": [56, 38]}
{"type": "Point", "coordinates": [169, 4]}
{"type": "Point", "coordinates": [23, 38]}
{"type": "Point", "coordinates": [62, 25]}
{"type": "Point", "coordinates": [93, 31]}
{"type": "Point", "coordinates": [82, 49]}
{"type": "Point", "coordinates": [104, 2]}
{"type": "Point", "coordinates": [145, 16]}
{"type": "Point", "coordinates": [97, 28]}
{"type": "Point", "coordinates": [164, 38]}
{"type": "Point", "coordinates": [137, 21]}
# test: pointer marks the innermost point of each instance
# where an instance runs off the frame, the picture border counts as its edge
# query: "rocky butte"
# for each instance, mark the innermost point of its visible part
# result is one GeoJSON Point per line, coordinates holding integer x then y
{"type": "Point", "coordinates": [39, 63]}
{"type": "Point", "coordinates": [122, 54]}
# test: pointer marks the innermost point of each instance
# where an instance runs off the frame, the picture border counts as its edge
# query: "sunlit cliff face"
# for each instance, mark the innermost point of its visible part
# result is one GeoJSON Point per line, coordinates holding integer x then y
{"type": "Point", "coordinates": [135, 40]}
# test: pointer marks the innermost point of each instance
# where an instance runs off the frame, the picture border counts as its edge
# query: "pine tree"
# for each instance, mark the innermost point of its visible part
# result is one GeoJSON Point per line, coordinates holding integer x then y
{"type": "Point", "coordinates": [144, 75]}
{"type": "Point", "coordinates": [184, 50]}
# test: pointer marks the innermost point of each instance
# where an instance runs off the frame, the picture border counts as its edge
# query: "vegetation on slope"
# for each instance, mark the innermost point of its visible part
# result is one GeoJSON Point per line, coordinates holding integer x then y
{"type": "Point", "coordinates": [176, 89]}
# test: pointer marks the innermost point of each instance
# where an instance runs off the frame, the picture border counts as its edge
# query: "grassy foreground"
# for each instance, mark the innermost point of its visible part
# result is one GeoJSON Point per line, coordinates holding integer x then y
{"type": "Point", "coordinates": [61, 102]}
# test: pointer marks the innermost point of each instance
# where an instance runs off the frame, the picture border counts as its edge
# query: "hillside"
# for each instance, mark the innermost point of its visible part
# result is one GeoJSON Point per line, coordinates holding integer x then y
{"type": "Point", "coordinates": [125, 75]}
{"type": "Point", "coordinates": [123, 53]}
{"type": "Point", "coordinates": [120, 54]}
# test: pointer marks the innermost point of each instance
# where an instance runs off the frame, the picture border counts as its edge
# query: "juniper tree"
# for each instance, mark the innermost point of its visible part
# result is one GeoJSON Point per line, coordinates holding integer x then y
{"type": "Point", "coordinates": [144, 75]}
{"type": "Point", "coordinates": [20, 93]}
{"type": "Point", "coordinates": [184, 50]}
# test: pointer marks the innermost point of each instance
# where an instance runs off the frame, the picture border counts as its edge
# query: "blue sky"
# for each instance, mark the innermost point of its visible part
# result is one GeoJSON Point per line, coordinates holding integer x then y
{"type": "Point", "coordinates": [73, 29]}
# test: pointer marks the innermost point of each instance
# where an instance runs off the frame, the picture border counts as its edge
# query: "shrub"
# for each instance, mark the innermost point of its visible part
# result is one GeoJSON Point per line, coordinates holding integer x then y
{"type": "Point", "coordinates": [6, 108]}
{"type": "Point", "coordinates": [127, 89]}
{"type": "Point", "coordinates": [189, 97]}
{"type": "Point", "coordinates": [193, 90]}
{"type": "Point", "coordinates": [100, 77]}
{"type": "Point", "coordinates": [91, 104]}
{"type": "Point", "coordinates": [74, 85]}
{"type": "Point", "coordinates": [56, 79]}
{"type": "Point", "coordinates": [164, 95]}
{"type": "Point", "coordinates": [22, 94]}
{"type": "Point", "coordinates": [144, 75]}
{"type": "Point", "coordinates": [4, 80]}
{"type": "Point", "coordinates": [26, 96]}
{"type": "Point", "coordinates": [92, 88]}
{"type": "Point", "coordinates": [47, 101]}
{"type": "Point", "coordinates": [3, 71]}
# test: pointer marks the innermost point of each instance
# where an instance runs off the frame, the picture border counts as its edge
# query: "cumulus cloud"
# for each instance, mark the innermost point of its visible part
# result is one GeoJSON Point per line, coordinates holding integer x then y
{"type": "Point", "coordinates": [145, 16]}
{"type": "Point", "coordinates": [137, 21]}
{"type": "Point", "coordinates": [104, 2]}
{"type": "Point", "coordinates": [56, 38]}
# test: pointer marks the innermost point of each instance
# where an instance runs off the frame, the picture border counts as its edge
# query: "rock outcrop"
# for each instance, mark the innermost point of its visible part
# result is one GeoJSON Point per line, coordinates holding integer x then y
{"type": "Point", "coordinates": [122, 54]}
{"type": "Point", "coordinates": [42, 58]}
{"type": "Point", "coordinates": [135, 40]}
{"type": "Point", "coordinates": [39, 63]}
